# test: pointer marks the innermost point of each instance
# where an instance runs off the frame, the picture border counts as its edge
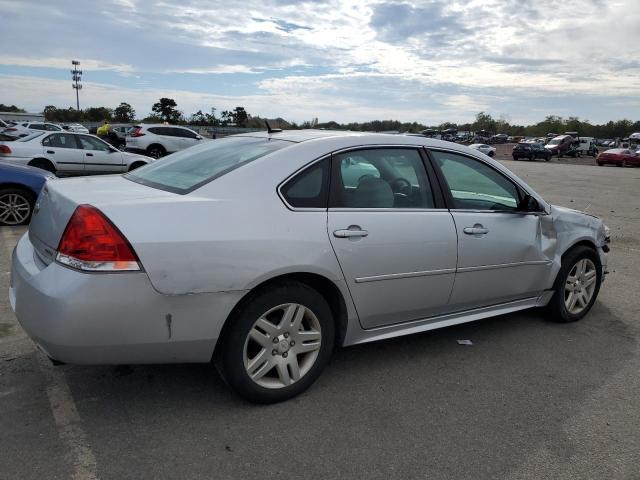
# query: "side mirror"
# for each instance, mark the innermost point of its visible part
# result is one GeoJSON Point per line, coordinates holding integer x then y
{"type": "Point", "coordinates": [529, 204]}
{"type": "Point", "coordinates": [198, 137]}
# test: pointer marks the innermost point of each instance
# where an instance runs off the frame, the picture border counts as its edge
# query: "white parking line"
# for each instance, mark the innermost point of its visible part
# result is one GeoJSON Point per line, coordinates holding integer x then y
{"type": "Point", "coordinates": [67, 419]}
{"type": "Point", "coordinates": [63, 408]}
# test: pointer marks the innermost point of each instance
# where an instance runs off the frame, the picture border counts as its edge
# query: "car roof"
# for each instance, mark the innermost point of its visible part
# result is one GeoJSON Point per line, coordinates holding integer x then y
{"type": "Point", "coordinates": [148, 125]}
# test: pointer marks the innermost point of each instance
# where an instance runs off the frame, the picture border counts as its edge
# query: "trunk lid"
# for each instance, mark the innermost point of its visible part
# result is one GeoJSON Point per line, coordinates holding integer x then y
{"type": "Point", "coordinates": [59, 199]}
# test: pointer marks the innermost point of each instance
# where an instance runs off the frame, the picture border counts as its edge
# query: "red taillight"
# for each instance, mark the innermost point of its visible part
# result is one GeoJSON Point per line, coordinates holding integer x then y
{"type": "Point", "coordinates": [137, 132]}
{"type": "Point", "coordinates": [91, 242]}
{"type": "Point", "coordinates": [4, 150]}
{"type": "Point", "coordinates": [10, 129]}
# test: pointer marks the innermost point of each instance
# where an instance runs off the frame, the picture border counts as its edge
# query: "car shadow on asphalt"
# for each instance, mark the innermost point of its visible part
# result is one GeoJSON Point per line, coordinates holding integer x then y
{"type": "Point", "coordinates": [521, 378]}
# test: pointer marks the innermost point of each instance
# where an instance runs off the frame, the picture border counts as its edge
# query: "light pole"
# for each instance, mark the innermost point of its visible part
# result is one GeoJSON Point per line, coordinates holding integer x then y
{"type": "Point", "coordinates": [76, 76]}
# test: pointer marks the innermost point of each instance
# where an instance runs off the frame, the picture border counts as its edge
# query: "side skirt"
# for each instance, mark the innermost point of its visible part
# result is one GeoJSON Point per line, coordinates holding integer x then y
{"type": "Point", "coordinates": [432, 323]}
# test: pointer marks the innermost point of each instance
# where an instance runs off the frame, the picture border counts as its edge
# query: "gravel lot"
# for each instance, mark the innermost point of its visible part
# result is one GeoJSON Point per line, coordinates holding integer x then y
{"type": "Point", "coordinates": [530, 399]}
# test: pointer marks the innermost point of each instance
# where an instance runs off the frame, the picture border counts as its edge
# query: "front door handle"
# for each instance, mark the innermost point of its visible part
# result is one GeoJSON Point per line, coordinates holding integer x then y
{"type": "Point", "coordinates": [89, 154]}
{"type": "Point", "coordinates": [50, 151]}
{"type": "Point", "coordinates": [477, 229]}
{"type": "Point", "coordinates": [350, 233]}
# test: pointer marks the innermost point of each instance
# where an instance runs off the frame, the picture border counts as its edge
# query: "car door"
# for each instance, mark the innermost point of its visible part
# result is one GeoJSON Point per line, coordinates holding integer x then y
{"type": "Point", "coordinates": [99, 156]}
{"type": "Point", "coordinates": [500, 248]}
{"type": "Point", "coordinates": [170, 138]}
{"type": "Point", "coordinates": [62, 149]}
{"type": "Point", "coordinates": [188, 138]}
{"type": "Point", "coordinates": [395, 242]}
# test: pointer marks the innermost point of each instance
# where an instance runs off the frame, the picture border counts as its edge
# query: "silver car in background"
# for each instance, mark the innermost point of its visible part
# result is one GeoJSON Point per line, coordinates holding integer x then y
{"type": "Point", "coordinates": [261, 252]}
{"type": "Point", "coordinates": [67, 153]}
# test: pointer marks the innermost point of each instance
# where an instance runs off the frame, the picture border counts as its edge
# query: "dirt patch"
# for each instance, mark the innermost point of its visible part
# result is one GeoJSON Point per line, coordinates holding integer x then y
{"type": "Point", "coordinates": [6, 329]}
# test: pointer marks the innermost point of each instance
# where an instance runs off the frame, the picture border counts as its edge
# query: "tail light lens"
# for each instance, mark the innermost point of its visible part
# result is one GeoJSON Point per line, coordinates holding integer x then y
{"type": "Point", "coordinates": [4, 150]}
{"type": "Point", "coordinates": [92, 243]}
{"type": "Point", "coordinates": [10, 129]}
{"type": "Point", "coordinates": [137, 132]}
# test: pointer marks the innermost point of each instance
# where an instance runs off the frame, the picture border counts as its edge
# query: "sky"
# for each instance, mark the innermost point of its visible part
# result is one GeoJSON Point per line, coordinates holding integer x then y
{"type": "Point", "coordinates": [427, 61]}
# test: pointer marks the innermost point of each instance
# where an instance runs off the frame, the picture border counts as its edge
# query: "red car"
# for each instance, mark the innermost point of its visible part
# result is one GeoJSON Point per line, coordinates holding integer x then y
{"type": "Point", "coordinates": [622, 157]}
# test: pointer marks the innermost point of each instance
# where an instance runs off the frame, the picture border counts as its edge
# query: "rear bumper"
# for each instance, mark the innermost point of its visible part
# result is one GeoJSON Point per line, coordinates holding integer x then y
{"type": "Point", "coordinates": [115, 318]}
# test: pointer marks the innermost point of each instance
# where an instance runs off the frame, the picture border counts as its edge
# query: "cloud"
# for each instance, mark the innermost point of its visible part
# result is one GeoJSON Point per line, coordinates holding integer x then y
{"type": "Point", "coordinates": [407, 59]}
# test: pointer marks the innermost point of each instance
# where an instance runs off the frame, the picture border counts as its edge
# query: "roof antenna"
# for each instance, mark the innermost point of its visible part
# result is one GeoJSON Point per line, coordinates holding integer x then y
{"type": "Point", "coordinates": [271, 130]}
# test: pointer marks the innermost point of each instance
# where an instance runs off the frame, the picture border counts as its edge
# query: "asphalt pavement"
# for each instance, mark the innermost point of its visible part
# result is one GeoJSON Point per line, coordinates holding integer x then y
{"type": "Point", "coordinates": [529, 399]}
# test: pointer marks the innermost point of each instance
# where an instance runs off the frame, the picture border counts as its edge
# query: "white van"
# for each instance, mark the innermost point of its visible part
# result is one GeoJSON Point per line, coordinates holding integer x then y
{"type": "Point", "coordinates": [588, 146]}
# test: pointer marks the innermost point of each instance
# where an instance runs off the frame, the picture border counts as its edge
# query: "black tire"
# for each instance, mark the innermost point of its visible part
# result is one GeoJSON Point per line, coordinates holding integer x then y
{"type": "Point", "coordinates": [231, 360]}
{"type": "Point", "coordinates": [547, 157]}
{"type": "Point", "coordinates": [556, 307]}
{"type": "Point", "coordinates": [23, 198]}
{"type": "Point", "coordinates": [156, 151]}
{"type": "Point", "coordinates": [135, 165]}
{"type": "Point", "coordinates": [515, 158]}
{"type": "Point", "coordinates": [43, 164]}
{"type": "Point", "coordinates": [600, 164]}
{"type": "Point", "coordinates": [532, 158]}
{"type": "Point", "coordinates": [492, 154]}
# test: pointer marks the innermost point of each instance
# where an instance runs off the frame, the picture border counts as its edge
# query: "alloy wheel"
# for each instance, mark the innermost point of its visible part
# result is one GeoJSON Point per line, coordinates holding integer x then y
{"type": "Point", "coordinates": [580, 285]}
{"type": "Point", "coordinates": [282, 346]}
{"type": "Point", "coordinates": [14, 208]}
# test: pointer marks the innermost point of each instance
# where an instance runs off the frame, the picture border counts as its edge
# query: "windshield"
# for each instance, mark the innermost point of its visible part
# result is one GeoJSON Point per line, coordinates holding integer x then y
{"type": "Point", "coordinates": [189, 169]}
{"type": "Point", "coordinates": [555, 141]}
{"type": "Point", "coordinates": [31, 136]}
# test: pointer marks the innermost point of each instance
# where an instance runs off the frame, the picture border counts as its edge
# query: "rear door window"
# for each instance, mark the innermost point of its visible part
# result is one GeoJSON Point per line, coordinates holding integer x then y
{"type": "Point", "coordinates": [380, 178]}
{"type": "Point", "coordinates": [60, 140]}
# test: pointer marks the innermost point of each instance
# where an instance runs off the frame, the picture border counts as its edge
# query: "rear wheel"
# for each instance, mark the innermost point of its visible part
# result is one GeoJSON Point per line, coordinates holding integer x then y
{"type": "Point", "coordinates": [278, 343]}
{"type": "Point", "coordinates": [43, 164]}
{"type": "Point", "coordinates": [156, 151]}
{"type": "Point", "coordinates": [577, 285]}
{"type": "Point", "coordinates": [16, 206]}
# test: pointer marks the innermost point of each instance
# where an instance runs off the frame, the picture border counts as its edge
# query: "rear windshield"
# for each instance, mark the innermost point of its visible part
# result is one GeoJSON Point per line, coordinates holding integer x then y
{"type": "Point", "coordinates": [189, 169]}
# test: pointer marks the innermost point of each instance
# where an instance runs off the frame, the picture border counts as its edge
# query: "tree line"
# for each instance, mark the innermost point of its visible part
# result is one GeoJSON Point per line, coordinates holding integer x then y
{"type": "Point", "coordinates": [166, 110]}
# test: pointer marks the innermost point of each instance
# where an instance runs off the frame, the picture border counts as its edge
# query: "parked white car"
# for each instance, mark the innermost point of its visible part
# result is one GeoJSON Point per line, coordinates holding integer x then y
{"type": "Point", "coordinates": [65, 153]}
{"type": "Point", "coordinates": [75, 127]}
{"type": "Point", "coordinates": [159, 140]}
{"type": "Point", "coordinates": [484, 148]}
{"type": "Point", "coordinates": [26, 128]}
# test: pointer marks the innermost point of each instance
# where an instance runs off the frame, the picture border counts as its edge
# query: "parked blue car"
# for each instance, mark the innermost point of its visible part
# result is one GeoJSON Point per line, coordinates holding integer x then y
{"type": "Point", "coordinates": [19, 189]}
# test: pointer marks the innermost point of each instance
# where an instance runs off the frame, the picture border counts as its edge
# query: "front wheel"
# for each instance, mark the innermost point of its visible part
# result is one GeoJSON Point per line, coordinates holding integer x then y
{"type": "Point", "coordinates": [278, 343]}
{"type": "Point", "coordinates": [577, 285]}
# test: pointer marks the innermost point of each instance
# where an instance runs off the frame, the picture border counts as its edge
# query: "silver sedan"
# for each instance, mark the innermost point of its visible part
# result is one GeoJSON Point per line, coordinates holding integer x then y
{"type": "Point", "coordinates": [69, 153]}
{"type": "Point", "coordinates": [262, 252]}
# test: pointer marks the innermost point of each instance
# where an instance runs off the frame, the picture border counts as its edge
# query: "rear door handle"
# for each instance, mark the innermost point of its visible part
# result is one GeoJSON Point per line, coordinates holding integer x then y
{"type": "Point", "coordinates": [89, 154]}
{"type": "Point", "coordinates": [350, 233]}
{"type": "Point", "coordinates": [477, 229]}
{"type": "Point", "coordinates": [50, 151]}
